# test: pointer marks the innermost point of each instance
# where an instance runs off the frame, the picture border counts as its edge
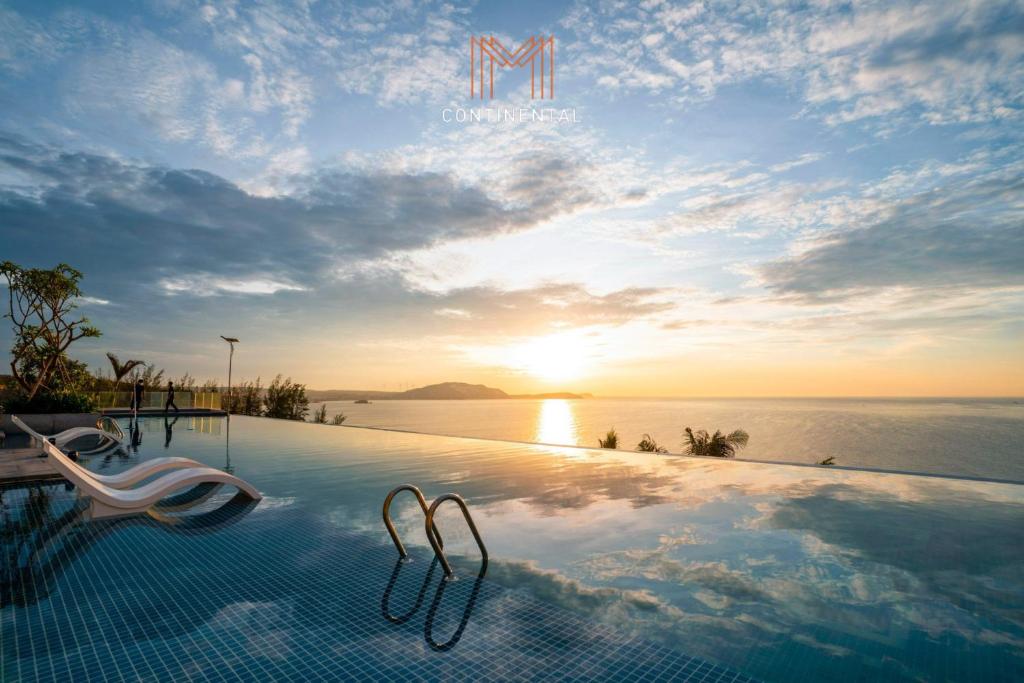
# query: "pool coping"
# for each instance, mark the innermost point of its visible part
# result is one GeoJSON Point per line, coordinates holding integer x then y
{"type": "Point", "coordinates": [845, 468]}
{"type": "Point", "coordinates": [734, 461]}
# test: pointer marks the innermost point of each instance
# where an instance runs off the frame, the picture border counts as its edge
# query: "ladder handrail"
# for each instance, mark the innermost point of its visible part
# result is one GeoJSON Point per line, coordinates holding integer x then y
{"type": "Point", "coordinates": [423, 506]}
{"type": "Point", "coordinates": [435, 541]}
{"type": "Point", "coordinates": [108, 424]}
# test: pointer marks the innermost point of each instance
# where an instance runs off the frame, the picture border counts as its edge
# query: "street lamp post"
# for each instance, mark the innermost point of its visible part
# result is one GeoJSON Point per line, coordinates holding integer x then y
{"type": "Point", "coordinates": [231, 356]}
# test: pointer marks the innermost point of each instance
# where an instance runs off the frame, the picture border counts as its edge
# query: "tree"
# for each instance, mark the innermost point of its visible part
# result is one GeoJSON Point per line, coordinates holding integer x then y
{"type": "Point", "coordinates": [649, 445]}
{"type": "Point", "coordinates": [338, 419]}
{"type": "Point", "coordinates": [120, 369]}
{"type": "Point", "coordinates": [40, 306]}
{"type": "Point", "coordinates": [718, 445]}
{"type": "Point", "coordinates": [246, 398]}
{"type": "Point", "coordinates": [286, 399]}
{"type": "Point", "coordinates": [610, 440]}
{"type": "Point", "coordinates": [152, 377]}
{"type": "Point", "coordinates": [320, 414]}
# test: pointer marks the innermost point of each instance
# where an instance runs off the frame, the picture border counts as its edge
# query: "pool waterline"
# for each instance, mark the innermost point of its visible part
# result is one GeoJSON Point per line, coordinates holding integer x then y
{"type": "Point", "coordinates": [771, 571]}
{"type": "Point", "coordinates": [734, 459]}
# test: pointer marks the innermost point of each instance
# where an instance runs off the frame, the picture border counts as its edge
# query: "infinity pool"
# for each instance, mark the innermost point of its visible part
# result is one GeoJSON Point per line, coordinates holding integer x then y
{"type": "Point", "coordinates": [603, 564]}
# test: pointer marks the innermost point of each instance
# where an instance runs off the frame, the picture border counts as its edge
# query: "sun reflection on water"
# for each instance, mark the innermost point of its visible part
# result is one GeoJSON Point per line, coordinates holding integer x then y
{"type": "Point", "coordinates": [556, 423]}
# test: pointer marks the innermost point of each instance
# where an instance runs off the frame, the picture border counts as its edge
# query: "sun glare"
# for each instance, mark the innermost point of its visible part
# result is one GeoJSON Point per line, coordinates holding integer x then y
{"type": "Point", "coordinates": [556, 423]}
{"type": "Point", "coordinates": [555, 358]}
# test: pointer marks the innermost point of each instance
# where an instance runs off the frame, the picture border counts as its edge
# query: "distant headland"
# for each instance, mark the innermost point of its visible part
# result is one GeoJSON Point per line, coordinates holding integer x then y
{"type": "Point", "coordinates": [442, 391]}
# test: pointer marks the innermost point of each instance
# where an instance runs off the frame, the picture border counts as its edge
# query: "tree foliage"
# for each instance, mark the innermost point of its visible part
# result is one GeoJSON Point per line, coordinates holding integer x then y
{"type": "Point", "coordinates": [40, 306]}
{"type": "Point", "coordinates": [717, 445]}
{"type": "Point", "coordinates": [152, 377]}
{"type": "Point", "coordinates": [121, 370]}
{"type": "Point", "coordinates": [286, 399]}
{"type": "Point", "coordinates": [245, 399]}
{"type": "Point", "coordinates": [649, 445]}
{"type": "Point", "coordinates": [610, 440]}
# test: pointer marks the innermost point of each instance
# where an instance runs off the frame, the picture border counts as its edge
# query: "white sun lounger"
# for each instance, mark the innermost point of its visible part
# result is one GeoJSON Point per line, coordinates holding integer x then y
{"type": "Point", "coordinates": [68, 435]}
{"type": "Point", "coordinates": [125, 479]}
{"type": "Point", "coordinates": [106, 501]}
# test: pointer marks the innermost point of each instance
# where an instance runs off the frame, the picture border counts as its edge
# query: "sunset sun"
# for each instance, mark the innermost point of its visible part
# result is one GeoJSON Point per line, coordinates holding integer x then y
{"type": "Point", "coordinates": [555, 358]}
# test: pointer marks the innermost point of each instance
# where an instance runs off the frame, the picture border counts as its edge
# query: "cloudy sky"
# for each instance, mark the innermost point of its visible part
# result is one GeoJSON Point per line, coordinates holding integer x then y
{"type": "Point", "coordinates": [759, 198]}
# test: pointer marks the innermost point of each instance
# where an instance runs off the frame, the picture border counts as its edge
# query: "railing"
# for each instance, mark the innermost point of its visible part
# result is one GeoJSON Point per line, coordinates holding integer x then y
{"type": "Point", "coordinates": [110, 426]}
{"type": "Point", "coordinates": [391, 525]}
{"type": "Point", "coordinates": [435, 538]}
{"type": "Point", "coordinates": [433, 535]}
{"type": "Point", "coordinates": [157, 399]}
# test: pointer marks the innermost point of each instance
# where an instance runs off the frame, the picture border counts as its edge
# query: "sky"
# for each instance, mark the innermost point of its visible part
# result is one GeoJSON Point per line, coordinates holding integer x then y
{"type": "Point", "coordinates": [754, 199]}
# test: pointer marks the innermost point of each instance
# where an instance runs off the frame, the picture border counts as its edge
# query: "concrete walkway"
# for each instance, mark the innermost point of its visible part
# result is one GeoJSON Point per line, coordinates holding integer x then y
{"type": "Point", "coordinates": [19, 465]}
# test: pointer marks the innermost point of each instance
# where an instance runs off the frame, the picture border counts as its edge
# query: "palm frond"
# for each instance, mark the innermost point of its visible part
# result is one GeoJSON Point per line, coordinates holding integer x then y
{"type": "Point", "coordinates": [717, 445]}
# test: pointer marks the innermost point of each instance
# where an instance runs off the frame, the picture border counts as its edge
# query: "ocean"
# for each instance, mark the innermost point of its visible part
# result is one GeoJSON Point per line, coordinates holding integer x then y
{"type": "Point", "coordinates": [961, 437]}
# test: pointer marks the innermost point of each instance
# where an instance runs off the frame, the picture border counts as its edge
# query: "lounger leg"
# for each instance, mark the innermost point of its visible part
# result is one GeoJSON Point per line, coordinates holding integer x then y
{"type": "Point", "coordinates": [98, 510]}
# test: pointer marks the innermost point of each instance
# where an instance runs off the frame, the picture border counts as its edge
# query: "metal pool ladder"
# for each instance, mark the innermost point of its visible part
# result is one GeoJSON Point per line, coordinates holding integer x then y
{"type": "Point", "coordinates": [108, 424]}
{"type": "Point", "coordinates": [433, 535]}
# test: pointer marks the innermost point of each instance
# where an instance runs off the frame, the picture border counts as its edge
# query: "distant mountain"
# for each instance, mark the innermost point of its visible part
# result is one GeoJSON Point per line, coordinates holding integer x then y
{"type": "Point", "coordinates": [453, 390]}
{"type": "Point", "coordinates": [553, 394]}
{"type": "Point", "coordinates": [442, 391]}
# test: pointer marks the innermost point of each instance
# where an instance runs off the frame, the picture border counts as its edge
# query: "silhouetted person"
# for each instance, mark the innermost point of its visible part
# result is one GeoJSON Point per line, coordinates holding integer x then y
{"type": "Point", "coordinates": [169, 431]}
{"type": "Point", "coordinates": [170, 397]}
{"type": "Point", "coordinates": [137, 395]}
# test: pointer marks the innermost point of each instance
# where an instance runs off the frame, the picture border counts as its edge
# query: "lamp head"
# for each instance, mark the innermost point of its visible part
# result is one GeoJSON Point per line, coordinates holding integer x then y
{"type": "Point", "coordinates": [229, 340]}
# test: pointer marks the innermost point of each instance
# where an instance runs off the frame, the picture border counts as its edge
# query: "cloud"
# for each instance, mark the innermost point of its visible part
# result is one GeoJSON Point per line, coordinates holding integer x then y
{"type": "Point", "coordinates": [158, 85]}
{"type": "Point", "coordinates": [935, 62]}
{"type": "Point", "coordinates": [175, 226]}
{"type": "Point", "coordinates": [206, 284]}
{"type": "Point", "coordinates": [565, 303]}
{"type": "Point", "coordinates": [455, 313]}
{"type": "Point", "coordinates": [758, 210]}
{"type": "Point", "coordinates": [96, 301]}
{"type": "Point", "coordinates": [967, 236]}
{"type": "Point", "coordinates": [24, 43]}
{"type": "Point", "coordinates": [801, 160]}
{"type": "Point", "coordinates": [132, 78]}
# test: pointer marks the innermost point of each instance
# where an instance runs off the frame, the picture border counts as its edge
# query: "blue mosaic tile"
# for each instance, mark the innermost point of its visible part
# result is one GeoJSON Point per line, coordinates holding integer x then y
{"type": "Point", "coordinates": [229, 596]}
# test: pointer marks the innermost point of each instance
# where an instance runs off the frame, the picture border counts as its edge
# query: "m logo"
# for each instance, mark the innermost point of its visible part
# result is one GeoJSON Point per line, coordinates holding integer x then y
{"type": "Point", "coordinates": [538, 51]}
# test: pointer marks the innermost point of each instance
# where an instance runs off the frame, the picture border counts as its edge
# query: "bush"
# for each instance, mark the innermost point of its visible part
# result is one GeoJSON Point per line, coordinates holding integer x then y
{"type": "Point", "coordinates": [649, 445]}
{"type": "Point", "coordinates": [245, 399]}
{"type": "Point", "coordinates": [610, 440]}
{"type": "Point", "coordinates": [48, 402]}
{"type": "Point", "coordinates": [286, 399]}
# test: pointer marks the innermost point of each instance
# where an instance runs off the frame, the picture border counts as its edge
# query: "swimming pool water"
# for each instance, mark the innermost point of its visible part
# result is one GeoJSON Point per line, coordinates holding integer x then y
{"type": "Point", "coordinates": [613, 565]}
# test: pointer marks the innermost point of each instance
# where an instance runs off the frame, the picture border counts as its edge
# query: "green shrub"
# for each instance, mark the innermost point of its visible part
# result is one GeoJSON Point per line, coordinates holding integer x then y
{"type": "Point", "coordinates": [286, 399]}
{"type": "Point", "coordinates": [48, 402]}
{"type": "Point", "coordinates": [649, 445]}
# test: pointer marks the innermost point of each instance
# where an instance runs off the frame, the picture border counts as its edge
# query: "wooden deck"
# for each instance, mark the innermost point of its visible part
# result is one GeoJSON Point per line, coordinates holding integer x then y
{"type": "Point", "coordinates": [18, 465]}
